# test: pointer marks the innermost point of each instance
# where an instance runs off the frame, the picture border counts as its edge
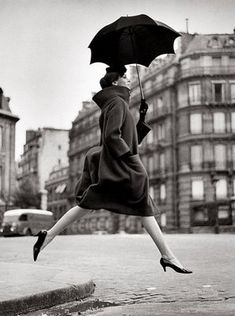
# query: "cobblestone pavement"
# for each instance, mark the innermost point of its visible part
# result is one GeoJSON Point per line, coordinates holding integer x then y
{"type": "Point", "coordinates": [126, 268]}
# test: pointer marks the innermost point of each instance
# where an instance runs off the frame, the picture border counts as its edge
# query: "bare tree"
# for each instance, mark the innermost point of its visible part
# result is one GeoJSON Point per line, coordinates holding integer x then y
{"type": "Point", "coordinates": [27, 195]}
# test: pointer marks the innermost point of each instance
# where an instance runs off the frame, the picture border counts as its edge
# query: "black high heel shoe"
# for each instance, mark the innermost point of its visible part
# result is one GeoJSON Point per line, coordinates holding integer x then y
{"type": "Point", "coordinates": [37, 246]}
{"type": "Point", "coordinates": [166, 263]}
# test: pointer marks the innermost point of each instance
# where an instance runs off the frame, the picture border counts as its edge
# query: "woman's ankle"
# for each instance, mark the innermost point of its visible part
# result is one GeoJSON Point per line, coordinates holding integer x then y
{"type": "Point", "coordinates": [48, 239]}
{"type": "Point", "coordinates": [168, 257]}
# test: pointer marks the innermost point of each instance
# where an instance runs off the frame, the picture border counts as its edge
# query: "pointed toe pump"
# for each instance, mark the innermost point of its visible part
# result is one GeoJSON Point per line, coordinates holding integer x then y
{"type": "Point", "coordinates": [167, 263]}
{"type": "Point", "coordinates": [37, 246]}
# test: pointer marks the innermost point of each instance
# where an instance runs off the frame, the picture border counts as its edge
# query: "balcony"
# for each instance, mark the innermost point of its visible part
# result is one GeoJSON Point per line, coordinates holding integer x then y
{"type": "Point", "coordinates": [196, 166]}
{"type": "Point", "coordinates": [163, 111]}
{"type": "Point", "coordinates": [159, 173]}
{"type": "Point", "coordinates": [206, 71]}
{"type": "Point", "coordinates": [227, 166]}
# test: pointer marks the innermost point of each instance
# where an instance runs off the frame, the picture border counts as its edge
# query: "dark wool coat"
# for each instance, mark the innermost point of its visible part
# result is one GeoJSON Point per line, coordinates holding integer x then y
{"type": "Point", "coordinates": [108, 180]}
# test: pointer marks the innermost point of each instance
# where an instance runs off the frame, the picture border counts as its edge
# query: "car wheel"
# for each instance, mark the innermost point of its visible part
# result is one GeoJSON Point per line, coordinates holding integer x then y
{"type": "Point", "coordinates": [28, 232]}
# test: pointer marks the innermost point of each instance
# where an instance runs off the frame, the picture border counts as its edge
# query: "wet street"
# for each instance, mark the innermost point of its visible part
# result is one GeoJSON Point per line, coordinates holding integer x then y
{"type": "Point", "coordinates": [126, 268]}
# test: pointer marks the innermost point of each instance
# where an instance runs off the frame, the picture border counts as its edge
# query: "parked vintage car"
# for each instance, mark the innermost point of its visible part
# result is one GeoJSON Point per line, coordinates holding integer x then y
{"type": "Point", "coordinates": [25, 222]}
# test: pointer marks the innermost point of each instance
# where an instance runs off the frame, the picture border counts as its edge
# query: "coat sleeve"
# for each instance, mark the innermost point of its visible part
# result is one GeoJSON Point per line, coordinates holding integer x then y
{"type": "Point", "coordinates": [113, 134]}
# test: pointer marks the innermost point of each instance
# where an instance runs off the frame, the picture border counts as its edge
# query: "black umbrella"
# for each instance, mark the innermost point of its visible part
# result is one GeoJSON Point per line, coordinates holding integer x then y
{"type": "Point", "coordinates": [132, 39]}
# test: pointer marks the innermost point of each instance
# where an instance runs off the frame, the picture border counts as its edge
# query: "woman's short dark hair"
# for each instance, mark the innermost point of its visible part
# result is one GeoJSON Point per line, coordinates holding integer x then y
{"type": "Point", "coordinates": [108, 79]}
{"type": "Point", "coordinates": [113, 73]}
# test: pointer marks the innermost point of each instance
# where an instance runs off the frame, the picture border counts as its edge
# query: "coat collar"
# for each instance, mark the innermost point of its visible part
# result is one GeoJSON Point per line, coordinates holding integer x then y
{"type": "Point", "coordinates": [107, 94]}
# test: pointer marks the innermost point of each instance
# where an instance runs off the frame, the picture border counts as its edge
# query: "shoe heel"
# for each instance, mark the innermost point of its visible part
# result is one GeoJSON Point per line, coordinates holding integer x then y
{"type": "Point", "coordinates": [163, 264]}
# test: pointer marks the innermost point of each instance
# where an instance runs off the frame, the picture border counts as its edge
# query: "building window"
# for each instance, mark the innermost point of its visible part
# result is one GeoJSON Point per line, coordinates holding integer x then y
{"type": "Point", "coordinates": [150, 108]}
{"type": "Point", "coordinates": [159, 103]}
{"type": "Point", "coordinates": [196, 156]}
{"type": "Point", "coordinates": [196, 123]}
{"type": "Point", "coordinates": [150, 111]}
{"type": "Point", "coordinates": [233, 122]}
{"type": "Point", "coordinates": [150, 165]}
{"type": "Point", "coordinates": [220, 156]}
{"type": "Point", "coordinates": [216, 61]}
{"type": "Point", "coordinates": [221, 189]}
{"type": "Point", "coordinates": [231, 41]}
{"type": "Point", "coordinates": [194, 93]}
{"type": "Point", "coordinates": [0, 179]}
{"type": "Point", "coordinates": [233, 156]}
{"type": "Point", "coordinates": [162, 161]}
{"type": "Point", "coordinates": [162, 192]}
{"type": "Point", "coordinates": [214, 42]}
{"type": "Point", "coordinates": [163, 220]}
{"type": "Point", "coordinates": [161, 131]}
{"type": "Point", "coordinates": [151, 191]}
{"type": "Point", "coordinates": [200, 216]}
{"type": "Point", "coordinates": [232, 91]}
{"type": "Point", "coordinates": [219, 122]}
{"type": "Point", "coordinates": [232, 61]}
{"type": "Point", "coordinates": [1, 137]}
{"type": "Point", "coordinates": [218, 92]}
{"type": "Point", "coordinates": [197, 189]}
{"type": "Point", "coordinates": [149, 138]}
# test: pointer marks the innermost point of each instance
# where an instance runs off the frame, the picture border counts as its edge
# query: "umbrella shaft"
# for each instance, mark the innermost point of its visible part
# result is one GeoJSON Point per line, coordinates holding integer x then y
{"type": "Point", "coordinates": [137, 69]}
{"type": "Point", "coordinates": [141, 89]}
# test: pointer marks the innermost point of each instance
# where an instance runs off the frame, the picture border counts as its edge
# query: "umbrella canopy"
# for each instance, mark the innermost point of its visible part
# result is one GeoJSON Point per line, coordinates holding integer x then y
{"type": "Point", "coordinates": [132, 39]}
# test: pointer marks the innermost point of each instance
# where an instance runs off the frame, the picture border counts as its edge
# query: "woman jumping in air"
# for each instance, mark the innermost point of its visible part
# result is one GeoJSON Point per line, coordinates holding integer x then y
{"type": "Point", "coordinates": [114, 177]}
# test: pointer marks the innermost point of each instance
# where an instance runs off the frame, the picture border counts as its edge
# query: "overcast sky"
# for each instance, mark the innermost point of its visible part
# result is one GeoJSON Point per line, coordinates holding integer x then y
{"type": "Point", "coordinates": [44, 59]}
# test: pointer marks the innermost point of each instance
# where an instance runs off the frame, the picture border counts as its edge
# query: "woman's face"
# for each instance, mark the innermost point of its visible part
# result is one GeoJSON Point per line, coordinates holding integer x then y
{"type": "Point", "coordinates": [123, 81]}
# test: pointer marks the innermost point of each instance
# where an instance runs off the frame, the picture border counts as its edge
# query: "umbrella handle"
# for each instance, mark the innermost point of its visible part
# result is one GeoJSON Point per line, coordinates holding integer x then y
{"type": "Point", "coordinates": [143, 110]}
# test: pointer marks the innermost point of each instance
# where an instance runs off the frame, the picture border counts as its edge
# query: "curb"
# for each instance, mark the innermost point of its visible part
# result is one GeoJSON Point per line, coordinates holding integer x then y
{"type": "Point", "coordinates": [46, 299]}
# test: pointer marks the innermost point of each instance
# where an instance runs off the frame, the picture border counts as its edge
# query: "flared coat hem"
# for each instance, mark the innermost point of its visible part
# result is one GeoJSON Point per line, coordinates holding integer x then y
{"type": "Point", "coordinates": [118, 208]}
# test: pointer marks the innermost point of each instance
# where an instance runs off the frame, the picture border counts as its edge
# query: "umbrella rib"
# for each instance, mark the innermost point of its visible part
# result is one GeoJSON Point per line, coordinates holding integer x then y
{"type": "Point", "coordinates": [137, 69]}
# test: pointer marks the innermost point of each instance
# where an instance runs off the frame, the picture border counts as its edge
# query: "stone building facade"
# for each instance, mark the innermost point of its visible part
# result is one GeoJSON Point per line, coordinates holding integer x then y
{"type": "Point", "coordinates": [7, 153]}
{"type": "Point", "coordinates": [190, 155]}
{"type": "Point", "coordinates": [44, 148]}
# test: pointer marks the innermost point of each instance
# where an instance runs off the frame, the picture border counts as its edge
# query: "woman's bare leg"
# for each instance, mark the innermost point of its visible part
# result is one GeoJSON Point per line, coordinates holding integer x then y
{"type": "Point", "coordinates": [153, 229]}
{"type": "Point", "coordinates": [75, 213]}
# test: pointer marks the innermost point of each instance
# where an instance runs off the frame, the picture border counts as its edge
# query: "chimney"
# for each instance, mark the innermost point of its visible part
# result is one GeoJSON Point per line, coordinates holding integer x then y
{"type": "Point", "coordinates": [187, 25]}
{"type": "Point", "coordinates": [30, 134]}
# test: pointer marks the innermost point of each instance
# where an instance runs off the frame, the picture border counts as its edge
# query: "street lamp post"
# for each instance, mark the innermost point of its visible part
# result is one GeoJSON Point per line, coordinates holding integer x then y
{"type": "Point", "coordinates": [214, 180]}
{"type": "Point", "coordinates": [232, 203]}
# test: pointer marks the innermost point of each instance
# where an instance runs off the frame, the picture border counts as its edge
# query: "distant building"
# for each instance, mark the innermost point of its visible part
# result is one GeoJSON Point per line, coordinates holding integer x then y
{"type": "Point", "coordinates": [7, 153]}
{"type": "Point", "coordinates": [44, 148]}
{"type": "Point", "coordinates": [57, 191]}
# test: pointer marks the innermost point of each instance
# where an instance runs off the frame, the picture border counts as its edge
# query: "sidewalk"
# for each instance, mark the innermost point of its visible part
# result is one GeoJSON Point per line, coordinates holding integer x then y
{"type": "Point", "coordinates": [28, 287]}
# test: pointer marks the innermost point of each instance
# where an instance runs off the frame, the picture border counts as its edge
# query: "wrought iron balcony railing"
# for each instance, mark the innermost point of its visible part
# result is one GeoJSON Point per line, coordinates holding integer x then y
{"type": "Point", "coordinates": [206, 71]}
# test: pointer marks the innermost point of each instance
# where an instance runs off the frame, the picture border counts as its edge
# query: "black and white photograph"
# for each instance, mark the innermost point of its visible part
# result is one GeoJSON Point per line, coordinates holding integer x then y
{"type": "Point", "coordinates": [117, 158]}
